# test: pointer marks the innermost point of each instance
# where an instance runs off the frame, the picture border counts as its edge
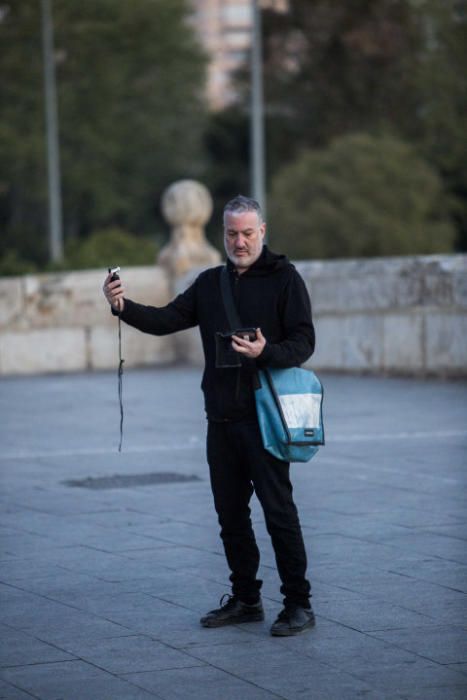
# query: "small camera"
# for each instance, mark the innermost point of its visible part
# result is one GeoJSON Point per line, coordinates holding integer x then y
{"type": "Point", "coordinates": [114, 272]}
{"type": "Point", "coordinates": [245, 333]}
{"type": "Point", "coordinates": [226, 356]}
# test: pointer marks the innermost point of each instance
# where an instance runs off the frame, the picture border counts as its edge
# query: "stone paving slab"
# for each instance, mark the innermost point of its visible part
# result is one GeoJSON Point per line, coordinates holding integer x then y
{"type": "Point", "coordinates": [130, 654]}
{"type": "Point", "coordinates": [17, 648]}
{"type": "Point", "coordinates": [440, 643]}
{"type": "Point", "coordinates": [278, 670]}
{"type": "Point", "coordinates": [205, 682]}
{"type": "Point", "coordinates": [72, 680]}
{"type": "Point", "coordinates": [101, 591]}
{"type": "Point", "coordinates": [461, 668]}
{"type": "Point", "coordinates": [446, 692]}
{"type": "Point", "coordinates": [9, 692]}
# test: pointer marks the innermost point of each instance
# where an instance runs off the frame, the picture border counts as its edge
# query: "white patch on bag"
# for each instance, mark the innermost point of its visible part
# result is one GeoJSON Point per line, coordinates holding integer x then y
{"type": "Point", "coordinates": [301, 410]}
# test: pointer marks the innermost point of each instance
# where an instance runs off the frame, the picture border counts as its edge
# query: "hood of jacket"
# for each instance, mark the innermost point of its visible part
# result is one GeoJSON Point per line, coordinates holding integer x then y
{"type": "Point", "coordinates": [266, 263]}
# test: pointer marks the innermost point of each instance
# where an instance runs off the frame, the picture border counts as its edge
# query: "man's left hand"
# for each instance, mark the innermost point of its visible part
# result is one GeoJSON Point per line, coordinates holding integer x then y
{"type": "Point", "coordinates": [249, 348]}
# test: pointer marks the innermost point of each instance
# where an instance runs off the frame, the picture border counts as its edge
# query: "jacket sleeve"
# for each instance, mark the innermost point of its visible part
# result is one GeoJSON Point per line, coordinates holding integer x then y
{"type": "Point", "coordinates": [299, 334]}
{"type": "Point", "coordinates": [179, 314]}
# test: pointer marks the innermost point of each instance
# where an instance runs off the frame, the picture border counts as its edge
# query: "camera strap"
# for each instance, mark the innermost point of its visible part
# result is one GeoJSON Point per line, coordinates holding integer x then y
{"type": "Point", "coordinates": [227, 298]}
{"type": "Point", "coordinates": [231, 313]}
{"type": "Point", "coordinates": [234, 319]}
{"type": "Point", "coordinates": [120, 380]}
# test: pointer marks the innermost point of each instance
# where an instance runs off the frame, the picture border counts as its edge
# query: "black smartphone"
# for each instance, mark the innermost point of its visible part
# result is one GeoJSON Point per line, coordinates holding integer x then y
{"type": "Point", "coordinates": [114, 272]}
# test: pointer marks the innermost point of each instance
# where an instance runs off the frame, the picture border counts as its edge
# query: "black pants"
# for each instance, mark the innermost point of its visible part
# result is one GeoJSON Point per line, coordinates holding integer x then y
{"type": "Point", "coordinates": [239, 465]}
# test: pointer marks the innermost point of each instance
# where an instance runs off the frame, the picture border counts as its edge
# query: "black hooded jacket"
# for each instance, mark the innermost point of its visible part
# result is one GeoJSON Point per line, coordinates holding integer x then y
{"type": "Point", "coordinates": [270, 295]}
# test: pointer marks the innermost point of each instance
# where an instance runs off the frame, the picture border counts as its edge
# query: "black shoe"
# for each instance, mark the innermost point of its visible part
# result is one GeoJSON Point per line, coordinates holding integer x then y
{"type": "Point", "coordinates": [293, 619]}
{"type": "Point", "coordinates": [233, 612]}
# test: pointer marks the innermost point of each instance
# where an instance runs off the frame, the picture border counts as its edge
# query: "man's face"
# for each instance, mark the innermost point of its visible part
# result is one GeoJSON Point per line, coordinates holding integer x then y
{"type": "Point", "coordinates": [243, 238]}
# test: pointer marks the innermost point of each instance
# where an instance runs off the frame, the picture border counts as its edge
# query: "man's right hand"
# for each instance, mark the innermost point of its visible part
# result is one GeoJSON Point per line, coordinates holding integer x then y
{"type": "Point", "coordinates": [114, 292]}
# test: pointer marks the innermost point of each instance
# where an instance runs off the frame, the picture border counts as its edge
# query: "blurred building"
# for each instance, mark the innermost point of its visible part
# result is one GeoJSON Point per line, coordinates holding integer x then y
{"type": "Point", "coordinates": [225, 28]}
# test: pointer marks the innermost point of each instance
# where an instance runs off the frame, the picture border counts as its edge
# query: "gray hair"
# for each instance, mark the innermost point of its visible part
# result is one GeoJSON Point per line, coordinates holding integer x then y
{"type": "Point", "coordinates": [241, 204]}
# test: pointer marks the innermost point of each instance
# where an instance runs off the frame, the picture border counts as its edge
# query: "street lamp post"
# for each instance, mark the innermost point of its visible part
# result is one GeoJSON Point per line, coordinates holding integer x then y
{"type": "Point", "coordinates": [257, 157]}
{"type": "Point", "coordinates": [51, 120]}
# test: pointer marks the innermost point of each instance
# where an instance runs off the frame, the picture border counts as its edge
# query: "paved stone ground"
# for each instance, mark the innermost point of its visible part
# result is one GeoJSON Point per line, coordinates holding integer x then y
{"type": "Point", "coordinates": [102, 590]}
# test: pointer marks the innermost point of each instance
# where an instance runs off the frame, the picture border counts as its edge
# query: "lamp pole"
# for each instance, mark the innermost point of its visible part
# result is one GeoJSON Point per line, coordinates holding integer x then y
{"type": "Point", "coordinates": [51, 120]}
{"type": "Point", "coordinates": [257, 157]}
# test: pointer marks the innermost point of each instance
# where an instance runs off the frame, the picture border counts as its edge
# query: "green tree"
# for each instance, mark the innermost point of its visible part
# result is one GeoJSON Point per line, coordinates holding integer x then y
{"type": "Point", "coordinates": [130, 80]}
{"type": "Point", "coordinates": [227, 172]}
{"type": "Point", "coordinates": [362, 196]}
{"type": "Point", "coordinates": [102, 248]}
{"type": "Point", "coordinates": [333, 68]}
{"type": "Point", "coordinates": [440, 126]}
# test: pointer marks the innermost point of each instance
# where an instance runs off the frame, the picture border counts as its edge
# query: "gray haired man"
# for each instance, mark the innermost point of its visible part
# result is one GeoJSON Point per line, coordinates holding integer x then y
{"type": "Point", "coordinates": [271, 297]}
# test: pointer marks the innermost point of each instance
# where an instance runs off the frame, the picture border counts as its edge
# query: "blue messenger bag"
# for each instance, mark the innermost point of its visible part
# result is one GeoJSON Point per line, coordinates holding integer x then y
{"type": "Point", "coordinates": [289, 402]}
{"type": "Point", "coordinates": [289, 405]}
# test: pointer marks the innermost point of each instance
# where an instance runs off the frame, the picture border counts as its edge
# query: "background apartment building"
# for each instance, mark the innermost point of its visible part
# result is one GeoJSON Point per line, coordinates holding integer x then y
{"type": "Point", "coordinates": [225, 29]}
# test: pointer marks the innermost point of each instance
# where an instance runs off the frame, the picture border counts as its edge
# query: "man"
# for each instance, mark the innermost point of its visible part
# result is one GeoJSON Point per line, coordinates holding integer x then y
{"type": "Point", "coordinates": [270, 296]}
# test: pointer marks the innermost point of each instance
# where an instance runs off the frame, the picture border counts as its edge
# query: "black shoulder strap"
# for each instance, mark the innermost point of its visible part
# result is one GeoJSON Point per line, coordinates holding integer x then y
{"type": "Point", "coordinates": [228, 300]}
{"type": "Point", "coordinates": [234, 319]}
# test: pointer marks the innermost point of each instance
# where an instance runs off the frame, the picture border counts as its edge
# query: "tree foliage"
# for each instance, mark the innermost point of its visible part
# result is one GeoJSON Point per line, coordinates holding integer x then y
{"type": "Point", "coordinates": [226, 143]}
{"type": "Point", "coordinates": [102, 248]}
{"type": "Point", "coordinates": [130, 81]}
{"type": "Point", "coordinates": [361, 196]}
{"type": "Point", "coordinates": [332, 68]}
{"type": "Point", "coordinates": [335, 68]}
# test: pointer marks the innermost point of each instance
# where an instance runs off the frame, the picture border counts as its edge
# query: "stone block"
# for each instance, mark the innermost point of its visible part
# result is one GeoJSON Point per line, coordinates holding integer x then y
{"type": "Point", "coordinates": [375, 290]}
{"type": "Point", "coordinates": [322, 284]}
{"type": "Point", "coordinates": [329, 343]}
{"type": "Point", "coordinates": [137, 348]}
{"type": "Point", "coordinates": [437, 290]}
{"type": "Point", "coordinates": [459, 281]}
{"type": "Point", "coordinates": [444, 281]}
{"type": "Point", "coordinates": [359, 285]}
{"type": "Point", "coordinates": [85, 303]}
{"type": "Point", "coordinates": [362, 342]}
{"type": "Point", "coordinates": [36, 351]}
{"type": "Point", "coordinates": [386, 283]}
{"type": "Point", "coordinates": [403, 342]}
{"type": "Point", "coordinates": [11, 300]}
{"type": "Point", "coordinates": [48, 302]}
{"type": "Point", "coordinates": [446, 342]}
{"type": "Point", "coordinates": [103, 346]}
{"type": "Point", "coordinates": [409, 284]}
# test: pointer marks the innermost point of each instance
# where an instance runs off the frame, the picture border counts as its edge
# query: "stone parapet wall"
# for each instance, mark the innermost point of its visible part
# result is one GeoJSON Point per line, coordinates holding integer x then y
{"type": "Point", "coordinates": [404, 315]}
{"type": "Point", "coordinates": [393, 315]}
{"type": "Point", "coordinates": [61, 322]}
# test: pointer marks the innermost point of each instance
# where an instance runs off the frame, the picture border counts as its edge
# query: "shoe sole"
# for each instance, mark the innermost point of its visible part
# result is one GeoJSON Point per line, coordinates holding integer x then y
{"type": "Point", "coordinates": [238, 621]}
{"type": "Point", "coordinates": [293, 632]}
